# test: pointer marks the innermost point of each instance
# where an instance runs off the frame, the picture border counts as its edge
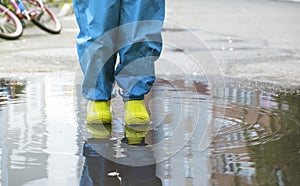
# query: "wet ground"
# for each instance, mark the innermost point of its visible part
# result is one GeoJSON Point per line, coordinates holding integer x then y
{"type": "Point", "coordinates": [44, 139]}
{"type": "Point", "coordinates": [199, 135]}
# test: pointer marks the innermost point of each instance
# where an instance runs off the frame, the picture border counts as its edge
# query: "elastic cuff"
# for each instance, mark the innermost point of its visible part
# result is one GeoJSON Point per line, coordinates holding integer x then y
{"type": "Point", "coordinates": [133, 98]}
{"type": "Point", "coordinates": [127, 97]}
{"type": "Point", "coordinates": [94, 94]}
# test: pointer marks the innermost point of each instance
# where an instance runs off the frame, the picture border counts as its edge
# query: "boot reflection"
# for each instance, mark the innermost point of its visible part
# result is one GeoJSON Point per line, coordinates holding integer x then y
{"type": "Point", "coordinates": [135, 167]}
{"type": "Point", "coordinates": [97, 167]}
{"type": "Point", "coordinates": [138, 167]}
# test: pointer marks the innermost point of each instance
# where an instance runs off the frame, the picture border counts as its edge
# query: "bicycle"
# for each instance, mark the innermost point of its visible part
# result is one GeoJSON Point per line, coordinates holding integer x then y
{"type": "Point", "coordinates": [36, 11]}
{"type": "Point", "coordinates": [10, 25]}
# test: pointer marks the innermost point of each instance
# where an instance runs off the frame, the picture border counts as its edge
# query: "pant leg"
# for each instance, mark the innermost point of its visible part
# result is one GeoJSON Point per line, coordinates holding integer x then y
{"type": "Point", "coordinates": [96, 46]}
{"type": "Point", "coordinates": [141, 22]}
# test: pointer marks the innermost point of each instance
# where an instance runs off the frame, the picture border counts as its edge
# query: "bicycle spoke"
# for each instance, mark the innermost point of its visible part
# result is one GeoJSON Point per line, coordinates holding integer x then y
{"type": "Point", "coordinates": [10, 27]}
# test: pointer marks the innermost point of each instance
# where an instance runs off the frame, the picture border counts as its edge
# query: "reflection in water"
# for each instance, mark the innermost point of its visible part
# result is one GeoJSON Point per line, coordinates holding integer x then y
{"type": "Point", "coordinates": [181, 111]}
{"type": "Point", "coordinates": [276, 153]}
{"type": "Point", "coordinates": [37, 133]}
{"type": "Point", "coordinates": [259, 140]}
{"type": "Point", "coordinates": [10, 89]}
{"type": "Point", "coordinates": [136, 166]}
{"type": "Point", "coordinates": [22, 140]}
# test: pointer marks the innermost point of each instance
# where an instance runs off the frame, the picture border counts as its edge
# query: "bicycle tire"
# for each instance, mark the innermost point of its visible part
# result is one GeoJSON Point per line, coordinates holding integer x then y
{"type": "Point", "coordinates": [44, 18]}
{"type": "Point", "coordinates": [53, 30]}
{"type": "Point", "coordinates": [10, 25]}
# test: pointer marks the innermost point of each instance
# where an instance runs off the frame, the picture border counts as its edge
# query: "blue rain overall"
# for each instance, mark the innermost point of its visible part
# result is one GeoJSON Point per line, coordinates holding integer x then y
{"type": "Point", "coordinates": [130, 28]}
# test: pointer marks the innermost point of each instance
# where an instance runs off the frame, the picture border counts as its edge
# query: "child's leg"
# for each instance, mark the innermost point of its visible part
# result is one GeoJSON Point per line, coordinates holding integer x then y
{"type": "Point", "coordinates": [140, 39]}
{"type": "Point", "coordinates": [95, 47]}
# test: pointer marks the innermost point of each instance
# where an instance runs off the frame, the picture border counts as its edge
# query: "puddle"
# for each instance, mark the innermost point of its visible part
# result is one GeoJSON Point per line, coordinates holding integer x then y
{"type": "Point", "coordinates": [43, 141]}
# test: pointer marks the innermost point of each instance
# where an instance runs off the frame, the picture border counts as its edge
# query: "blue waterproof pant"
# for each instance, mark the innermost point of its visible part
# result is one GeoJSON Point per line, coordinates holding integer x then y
{"type": "Point", "coordinates": [130, 28]}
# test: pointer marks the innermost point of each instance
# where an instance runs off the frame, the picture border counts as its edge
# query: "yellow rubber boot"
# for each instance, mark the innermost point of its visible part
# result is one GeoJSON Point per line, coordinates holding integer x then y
{"type": "Point", "coordinates": [98, 112]}
{"type": "Point", "coordinates": [136, 113]}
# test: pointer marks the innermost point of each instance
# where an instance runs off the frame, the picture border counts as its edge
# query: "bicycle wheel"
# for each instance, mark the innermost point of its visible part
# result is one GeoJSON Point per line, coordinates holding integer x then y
{"type": "Point", "coordinates": [10, 25]}
{"type": "Point", "coordinates": [42, 16]}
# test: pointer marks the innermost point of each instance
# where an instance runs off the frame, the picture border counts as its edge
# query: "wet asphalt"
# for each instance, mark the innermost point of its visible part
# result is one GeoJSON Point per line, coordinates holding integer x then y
{"type": "Point", "coordinates": [249, 39]}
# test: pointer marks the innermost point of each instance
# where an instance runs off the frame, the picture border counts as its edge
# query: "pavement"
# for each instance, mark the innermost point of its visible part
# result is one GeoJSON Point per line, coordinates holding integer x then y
{"type": "Point", "coordinates": [253, 40]}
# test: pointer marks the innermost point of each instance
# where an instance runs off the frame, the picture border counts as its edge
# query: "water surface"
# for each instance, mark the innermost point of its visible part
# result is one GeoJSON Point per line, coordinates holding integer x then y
{"type": "Point", "coordinates": [44, 140]}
